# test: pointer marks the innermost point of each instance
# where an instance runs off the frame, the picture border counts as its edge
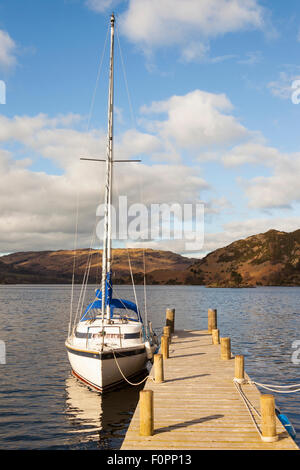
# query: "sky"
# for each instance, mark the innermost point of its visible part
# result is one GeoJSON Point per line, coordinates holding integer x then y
{"type": "Point", "coordinates": [206, 95]}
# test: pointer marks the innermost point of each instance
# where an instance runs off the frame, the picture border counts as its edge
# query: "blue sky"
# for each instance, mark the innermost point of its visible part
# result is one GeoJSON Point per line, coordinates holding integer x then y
{"type": "Point", "coordinates": [210, 85]}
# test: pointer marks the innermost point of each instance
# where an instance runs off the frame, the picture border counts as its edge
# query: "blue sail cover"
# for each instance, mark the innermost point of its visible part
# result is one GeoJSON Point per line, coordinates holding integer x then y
{"type": "Point", "coordinates": [108, 289]}
{"type": "Point", "coordinates": [113, 303]}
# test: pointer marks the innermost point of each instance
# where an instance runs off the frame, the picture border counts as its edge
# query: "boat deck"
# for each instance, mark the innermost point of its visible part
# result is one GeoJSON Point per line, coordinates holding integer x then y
{"type": "Point", "coordinates": [198, 406]}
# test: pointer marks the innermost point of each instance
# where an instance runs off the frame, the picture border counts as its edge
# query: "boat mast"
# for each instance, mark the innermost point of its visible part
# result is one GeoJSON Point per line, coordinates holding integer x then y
{"type": "Point", "coordinates": [106, 254]}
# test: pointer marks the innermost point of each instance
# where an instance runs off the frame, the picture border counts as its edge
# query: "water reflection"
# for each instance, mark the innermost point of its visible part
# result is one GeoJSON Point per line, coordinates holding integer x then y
{"type": "Point", "coordinates": [100, 420]}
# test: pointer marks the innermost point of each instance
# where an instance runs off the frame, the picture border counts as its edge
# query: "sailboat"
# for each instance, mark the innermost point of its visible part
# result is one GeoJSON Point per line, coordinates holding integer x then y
{"type": "Point", "coordinates": [110, 344]}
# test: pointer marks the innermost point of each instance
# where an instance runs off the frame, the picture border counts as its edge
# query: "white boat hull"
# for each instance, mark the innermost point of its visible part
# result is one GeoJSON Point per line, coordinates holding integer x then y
{"type": "Point", "coordinates": [100, 370]}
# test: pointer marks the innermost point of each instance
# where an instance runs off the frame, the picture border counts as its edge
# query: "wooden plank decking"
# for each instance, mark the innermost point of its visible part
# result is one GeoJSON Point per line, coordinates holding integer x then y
{"type": "Point", "coordinates": [197, 406]}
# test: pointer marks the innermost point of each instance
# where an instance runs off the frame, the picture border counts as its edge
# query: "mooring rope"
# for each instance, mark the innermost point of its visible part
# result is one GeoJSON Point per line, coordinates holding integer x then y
{"type": "Point", "coordinates": [125, 378]}
{"type": "Point", "coordinates": [248, 405]}
{"type": "Point", "coordinates": [276, 388]}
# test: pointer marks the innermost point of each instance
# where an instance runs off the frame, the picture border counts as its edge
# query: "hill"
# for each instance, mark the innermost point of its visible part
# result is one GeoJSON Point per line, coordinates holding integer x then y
{"type": "Point", "coordinates": [271, 258]}
{"type": "Point", "coordinates": [162, 267]}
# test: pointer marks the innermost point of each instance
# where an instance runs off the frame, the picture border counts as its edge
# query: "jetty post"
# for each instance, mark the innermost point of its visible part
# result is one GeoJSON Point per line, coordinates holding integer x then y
{"type": "Point", "coordinates": [146, 413]}
{"type": "Point", "coordinates": [167, 332]}
{"type": "Point", "coordinates": [158, 368]}
{"type": "Point", "coordinates": [225, 349]}
{"type": "Point", "coordinates": [170, 319]}
{"type": "Point", "coordinates": [165, 347]}
{"type": "Point", "coordinates": [268, 418]}
{"type": "Point", "coordinates": [212, 319]}
{"type": "Point", "coordinates": [215, 335]}
{"type": "Point", "coordinates": [239, 370]}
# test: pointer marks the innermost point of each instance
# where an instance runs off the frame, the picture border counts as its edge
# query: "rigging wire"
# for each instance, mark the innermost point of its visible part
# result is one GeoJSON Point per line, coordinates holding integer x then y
{"type": "Point", "coordinates": [128, 256]}
{"type": "Point", "coordinates": [88, 268]}
{"type": "Point", "coordinates": [77, 192]}
{"type": "Point", "coordinates": [126, 81]}
{"type": "Point", "coordinates": [97, 82]}
{"type": "Point", "coordinates": [85, 280]}
{"type": "Point", "coordinates": [132, 280]}
{"type": "Point", "coordinates": [135, 127]}
{"type": "Point", "coordinates": [74, 263]}
{"type": "Point", "coordinates": [145, 293]}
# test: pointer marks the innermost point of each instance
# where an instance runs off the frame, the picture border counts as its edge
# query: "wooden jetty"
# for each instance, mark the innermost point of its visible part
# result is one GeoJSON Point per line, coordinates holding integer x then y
{"type": "Point", "coordinates": [197, 406]}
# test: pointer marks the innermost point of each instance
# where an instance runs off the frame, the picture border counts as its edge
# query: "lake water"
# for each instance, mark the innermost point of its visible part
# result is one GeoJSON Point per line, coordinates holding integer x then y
{"type": "Point", "coordinates": [42, 406]}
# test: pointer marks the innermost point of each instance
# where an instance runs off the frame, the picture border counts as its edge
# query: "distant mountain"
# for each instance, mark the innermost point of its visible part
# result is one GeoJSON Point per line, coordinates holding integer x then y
{"type": "Point", "coordinates": [162, 267]}
{"type": "Point", "coordinates": [271, 258]}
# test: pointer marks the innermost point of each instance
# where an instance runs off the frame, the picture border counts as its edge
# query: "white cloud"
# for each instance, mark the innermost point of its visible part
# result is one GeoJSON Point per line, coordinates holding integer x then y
{"type": "Point", "coordinates": [251, 152]}
{"type": "Point", "coordinates": [7, 50]}
{"type": "Point", "coordinates": [249, 227]}
{"type": "Point", "coordinates": [278, 190]}
{"type": "Point", "coordinates": [281, 189]}
{"type": "Point", "coordinates": [194, 51]}
{"type": "Point", "coordinates": [189, 24]}
{"type": "Point", "coordinates": [38, 209]}
{"type": "Point", "coordinates": [156, 22]}
{"type": "Point", "coordinates": [24, 128]}
{"type": "Point", "coordinates": [134, 143]}
{"type": "Point", "coordinates": [196, 120]}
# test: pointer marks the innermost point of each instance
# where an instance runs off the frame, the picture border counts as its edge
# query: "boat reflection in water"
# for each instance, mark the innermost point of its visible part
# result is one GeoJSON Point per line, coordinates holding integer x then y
{"type": "Point", "coordinates": [99, 420]}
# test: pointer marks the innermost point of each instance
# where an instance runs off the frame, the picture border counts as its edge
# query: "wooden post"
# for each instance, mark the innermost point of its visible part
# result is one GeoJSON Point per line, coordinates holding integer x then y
{"type": "Point", "coordinates": [167, 332]}
{"type": "Point", "coordinates": [268, 418]}
{"type": "Point", "coordinates": [158, 368]}
{"type": "Point", "coordinates": [170, 318]}
{"type": "Point", "coordinates": [146, 413]}
{"type": "Point", "coordinates": [225, 349]}
{"type": "Point", "coordinates": [215, 334]}
{"type": "Point", "coordinates": [165, 347]}
{"type": "Point", "coordinates": [212, 319]}
{"type": "Point", "coordinates": [239, 369]}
